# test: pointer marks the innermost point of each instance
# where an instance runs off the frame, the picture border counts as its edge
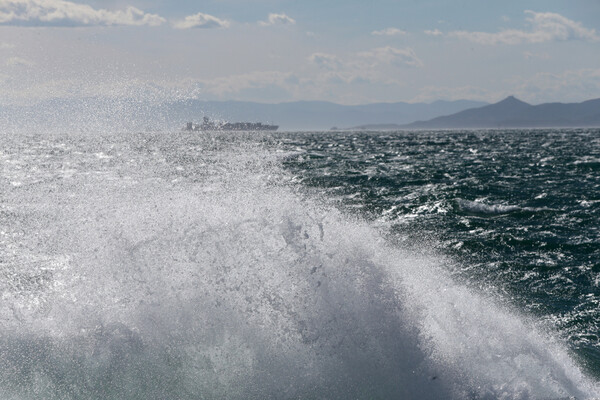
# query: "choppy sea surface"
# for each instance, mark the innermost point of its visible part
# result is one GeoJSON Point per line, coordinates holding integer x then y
{"type": "Point", "coordinates": [310, 265]}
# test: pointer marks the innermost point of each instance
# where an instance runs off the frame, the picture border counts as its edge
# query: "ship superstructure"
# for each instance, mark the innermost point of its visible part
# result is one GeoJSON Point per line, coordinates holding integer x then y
{"type": "Point", "coordinates": [208, 125]}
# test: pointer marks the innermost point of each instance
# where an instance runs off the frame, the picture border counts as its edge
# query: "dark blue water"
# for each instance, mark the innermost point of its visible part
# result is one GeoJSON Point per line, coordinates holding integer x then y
{"type": "Point", "coordinates": [519, 210]}
{"type": "Point", "coordinates": [409, 265]}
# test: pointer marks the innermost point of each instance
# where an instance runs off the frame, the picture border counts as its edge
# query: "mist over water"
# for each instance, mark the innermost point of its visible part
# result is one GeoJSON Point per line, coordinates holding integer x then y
{"type": "Point", "coordinates": [180, 266]}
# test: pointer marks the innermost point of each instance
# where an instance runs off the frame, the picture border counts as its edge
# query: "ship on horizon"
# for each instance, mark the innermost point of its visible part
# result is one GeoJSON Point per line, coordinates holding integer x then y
{"type": "Point", "coordinates": [208, 125]}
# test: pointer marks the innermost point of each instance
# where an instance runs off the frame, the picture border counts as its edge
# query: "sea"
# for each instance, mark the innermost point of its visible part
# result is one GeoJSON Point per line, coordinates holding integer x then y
{"type": "Point", "coordinates": [300, 265]}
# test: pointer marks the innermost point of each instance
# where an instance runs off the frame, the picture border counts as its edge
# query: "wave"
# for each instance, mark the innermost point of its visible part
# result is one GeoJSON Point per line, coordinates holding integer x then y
{"type": "Point", "coordinates": [232, 285]}
{"type": "Point", "coordinates": [477, 207]}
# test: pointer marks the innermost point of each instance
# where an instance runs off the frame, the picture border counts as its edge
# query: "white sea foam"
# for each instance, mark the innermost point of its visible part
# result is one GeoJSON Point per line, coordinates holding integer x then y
{"type": "Point", "coordinates": [227, 283]}
{"type": "Point", "coordinates": [483, 208]}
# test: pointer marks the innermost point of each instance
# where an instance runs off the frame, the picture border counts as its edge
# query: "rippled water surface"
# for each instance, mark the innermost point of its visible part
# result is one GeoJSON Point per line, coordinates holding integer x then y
{"type": "Point", "coordinates": [519, 210]}
{"type": "Point", "coordinates": [425, 265]}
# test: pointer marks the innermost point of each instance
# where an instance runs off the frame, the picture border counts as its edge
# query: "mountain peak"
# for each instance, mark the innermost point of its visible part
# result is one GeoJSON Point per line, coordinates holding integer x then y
{"type": "Point", "coordinates": [512, 100]}
{"type": "Point", "coordinates": [514, 113]}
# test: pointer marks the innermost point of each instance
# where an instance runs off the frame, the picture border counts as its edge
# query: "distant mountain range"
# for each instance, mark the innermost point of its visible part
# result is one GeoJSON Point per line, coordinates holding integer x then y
{"type": "Point", "coordinates": [315, 115]}
{"type": "Point", "coordinates": [130, 114]}
{"type": "Point", "coordinates": [92, 114]}
{"type": "Point", "coordinates": [514, 113]}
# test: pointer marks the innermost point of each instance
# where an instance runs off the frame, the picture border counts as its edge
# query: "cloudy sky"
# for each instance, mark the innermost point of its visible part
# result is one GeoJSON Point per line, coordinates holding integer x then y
{"type": "Point", "coordinates": [345, 51]}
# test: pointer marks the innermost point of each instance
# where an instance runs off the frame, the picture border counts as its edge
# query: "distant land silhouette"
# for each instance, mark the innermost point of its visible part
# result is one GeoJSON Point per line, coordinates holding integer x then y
{"type": "Point", "coordinates": [315, 115]}
{"type": "Point", "coordinates": [98, 113]}
{"type": "Point", "coordinates": [514, 113]}
{"type": "Point", "coordinates": [131, 114]}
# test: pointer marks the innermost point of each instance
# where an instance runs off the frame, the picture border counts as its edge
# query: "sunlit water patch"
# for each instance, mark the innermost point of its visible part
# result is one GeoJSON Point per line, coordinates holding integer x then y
{"type": "Point", "coordinates": [182, 266]}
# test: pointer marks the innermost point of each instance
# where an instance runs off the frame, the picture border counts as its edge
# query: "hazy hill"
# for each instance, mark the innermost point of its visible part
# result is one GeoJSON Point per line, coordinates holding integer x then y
{"type": "Point", "coordinates": [91, 114]}
{"type": "Point", "coordinates": [514, 113]}
{"type": "Point", "coordinates": [130, 114]}
{"type": "Point", "coordinates": [316, 115]}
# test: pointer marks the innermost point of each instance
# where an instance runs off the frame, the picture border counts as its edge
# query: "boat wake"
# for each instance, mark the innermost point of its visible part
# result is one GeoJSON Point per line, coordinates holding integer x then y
{"type": "Point", "coordinates": [201, 275]}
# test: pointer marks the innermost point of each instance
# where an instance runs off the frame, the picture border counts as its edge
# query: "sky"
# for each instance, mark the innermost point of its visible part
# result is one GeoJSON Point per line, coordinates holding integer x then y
{"type": "Point", "coordinates": [271, 51]}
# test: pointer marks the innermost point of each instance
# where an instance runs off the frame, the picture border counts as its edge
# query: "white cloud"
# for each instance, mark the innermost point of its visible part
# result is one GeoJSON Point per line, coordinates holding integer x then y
{"type": "Point", "coordinates": [374, 67]}
{"type": "Point", "coordinates": [278, 19]}
{"type": "Point", "coordinates": [546, 27]}
{"type": "Point", "coordinates": [394, 56]}
{"type": "Point", "coordinates": [470, 92]}
{"type": "Point", "coordinates": [66, 13]}
{"type": "Point", "coordinates": [389, 32]}
{"type": "Point", "coordinates": [276, 83]}
{"type": "Point", "coordinates": [326, 61]}
{"type": "Point", "coordinates": [567, 86]}
{"type": "Point", "coordinates": [570, 86]}
{"type": "Point", "coordinates": [434, 32]}
{"type": "Point", "coordinates": [201, 20]}
{"type": "Point", "coordinates": [6, 46]}
{"type": "Point", "coordinates": [529, 55]}
{"type": "Point", "coordinates": [367, 66]}
{"type": "Point", "coordinates": [18, 61]}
